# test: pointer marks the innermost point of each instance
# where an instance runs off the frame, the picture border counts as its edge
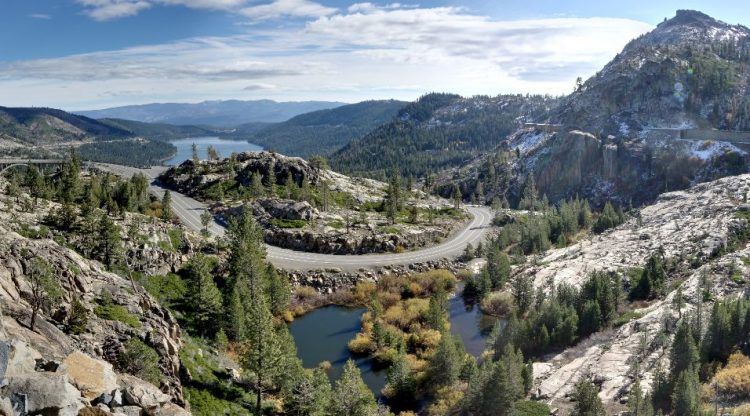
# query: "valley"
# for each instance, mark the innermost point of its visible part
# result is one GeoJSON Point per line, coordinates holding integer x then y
{"type": "Point", "coordinates": [584, 254]}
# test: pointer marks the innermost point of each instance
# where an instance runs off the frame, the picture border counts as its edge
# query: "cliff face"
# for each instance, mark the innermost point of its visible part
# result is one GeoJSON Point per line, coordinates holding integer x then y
{"type": "Point", "coordinates": [105, 341]}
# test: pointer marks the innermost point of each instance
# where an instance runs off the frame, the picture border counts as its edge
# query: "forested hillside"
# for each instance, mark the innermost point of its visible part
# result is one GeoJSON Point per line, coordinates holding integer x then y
{"type": "Point", "coordinates": [49, 125]}
{"type": "Point", "coordinates": [439, 131]}
{"type": "Point", "coordinates": [160, 131]}
{"type": "Point", "coordinates": [325, 131]}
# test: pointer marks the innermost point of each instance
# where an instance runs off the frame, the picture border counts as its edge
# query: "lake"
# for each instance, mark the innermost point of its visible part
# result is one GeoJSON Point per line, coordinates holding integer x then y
{"type": "Point", "coordinates": [223, 146]}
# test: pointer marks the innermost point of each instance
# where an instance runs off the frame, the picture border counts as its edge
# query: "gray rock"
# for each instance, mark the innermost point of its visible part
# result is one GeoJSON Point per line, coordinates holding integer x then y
{"type": "Point", "coordinates": [137, 392]}
{"type": "Point", "coordinates": [47, 393]}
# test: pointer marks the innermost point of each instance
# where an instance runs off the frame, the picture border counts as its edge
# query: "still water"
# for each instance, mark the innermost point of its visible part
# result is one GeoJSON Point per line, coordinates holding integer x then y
{"type": "Point", "coordinates": [323, 335]}
{"type": "Point", "coordinates": [223, 146]}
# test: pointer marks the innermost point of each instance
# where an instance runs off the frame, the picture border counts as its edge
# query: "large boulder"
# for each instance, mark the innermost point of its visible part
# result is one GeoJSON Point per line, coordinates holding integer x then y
{"type": "Point", "coordinates": [92, 377]}
{"type": "Point", "coordinates": [140, 393]}
{"type": "Point", "coordinates": [45, 393]}
{"type": "Point", "coordinates": [287, 209]}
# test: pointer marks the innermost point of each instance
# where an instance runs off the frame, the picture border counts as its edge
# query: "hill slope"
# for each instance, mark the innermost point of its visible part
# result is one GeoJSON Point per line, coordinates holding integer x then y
{"type": "Point", "coordinates": [324, 131]}
{"type": "Point", "coordinates": [439, 131]}
{"type": "Point", "coordinates": [48, 125]}
{"type": "Point", "coordinates": [642, 126]}
{"type": "Point", "coordinates": [227, 113]}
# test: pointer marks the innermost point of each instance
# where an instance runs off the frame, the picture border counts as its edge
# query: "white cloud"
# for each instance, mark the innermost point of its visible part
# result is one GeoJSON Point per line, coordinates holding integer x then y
{"type": "Point", "coordinates": [113, 9]}
{"type": "Point", "coordinates": [41, 16]}
{"type": "Point", "coordinates": [391, 51]}
{"type": "Point", "coordinates": [280, 8]}
{"type": "Point", "coordinates": [102, 10]}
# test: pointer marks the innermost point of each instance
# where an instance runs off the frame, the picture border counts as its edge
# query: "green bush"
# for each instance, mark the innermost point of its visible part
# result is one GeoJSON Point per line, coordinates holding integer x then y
{"type": "Point", "coordinates": [169, 289]}
{"type": "Point", "coordinates": [141, 361]}
{"type": "Point", "coordinates": [531, 408]}
{"type": "Point", "coordinates": [111, 312]}
{"type": "Point", "coordinates": [284, 223]}
{"type": "Point", "coordinates": [78, 318]}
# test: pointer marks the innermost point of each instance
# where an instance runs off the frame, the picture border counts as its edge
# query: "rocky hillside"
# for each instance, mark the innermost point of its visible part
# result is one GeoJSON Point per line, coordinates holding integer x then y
{"type": "Point", "coordinates": [306, 206]}
{"type": "Point", "coordinates": [65, 363]}
{"type": "Point", "coordinates": [667, 112]}
{"type": "Point", "coordinates": [325, 131]}
{"type": "Point", "coordinates": [691, 71]}
{"type": "Point", "coordinates": [698, 231]}
{"type": "Point", "coordinates": [439, 131]}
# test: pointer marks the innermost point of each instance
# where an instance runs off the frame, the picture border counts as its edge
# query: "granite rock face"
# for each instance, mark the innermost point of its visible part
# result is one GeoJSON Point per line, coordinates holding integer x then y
{"type": "Point", "coordinates": [691, 228]}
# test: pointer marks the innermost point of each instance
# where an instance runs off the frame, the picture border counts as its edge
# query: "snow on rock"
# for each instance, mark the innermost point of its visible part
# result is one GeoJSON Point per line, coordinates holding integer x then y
{"type": "Point", "coordinates": [709, 149]}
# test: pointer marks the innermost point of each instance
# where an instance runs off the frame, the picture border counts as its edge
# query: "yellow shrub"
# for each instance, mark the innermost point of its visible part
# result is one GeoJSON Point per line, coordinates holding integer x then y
{"type": "Point", "coordinates": [434, 279]}
{"type": "Point", "coordinates": [305, 292]}
{"type": "Point", "coordinates": [734, 379]}
{"type": "Point", "coordinates": [361, 344]}
{"type": "Point", "coordinates": [498, 304]}
{"type": "Point", "coordinates": [403, 314]}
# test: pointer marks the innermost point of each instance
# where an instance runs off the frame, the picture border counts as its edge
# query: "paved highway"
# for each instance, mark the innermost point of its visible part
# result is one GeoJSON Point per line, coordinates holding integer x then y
{"type": "Point", "coordinates": [189, 211]}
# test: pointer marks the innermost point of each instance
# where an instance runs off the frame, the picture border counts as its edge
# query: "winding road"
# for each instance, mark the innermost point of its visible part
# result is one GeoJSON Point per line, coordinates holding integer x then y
{"type": "Point", "coordinates": [189, 211]}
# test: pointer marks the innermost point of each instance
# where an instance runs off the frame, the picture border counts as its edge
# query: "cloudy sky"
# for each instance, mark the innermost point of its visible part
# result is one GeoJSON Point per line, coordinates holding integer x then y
{"type": "Point", "coordinates": [85, 54]}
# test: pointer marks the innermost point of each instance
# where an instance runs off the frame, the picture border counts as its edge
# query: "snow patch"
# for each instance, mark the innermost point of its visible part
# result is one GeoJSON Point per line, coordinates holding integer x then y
{"type": "Point", "coordinates": [530, 141]}
{"type": "Point", "coordinates": [707, 150]}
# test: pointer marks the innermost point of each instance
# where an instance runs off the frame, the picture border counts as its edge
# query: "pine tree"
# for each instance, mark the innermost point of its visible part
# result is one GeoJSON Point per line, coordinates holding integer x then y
{"type": "Point", "coordinates": [78, 318]}
{"type": "Point", "coordinates": [206, 219]}
{"type": "Point", "coordinates": [194, 153]}
{"type": "Point", "coordinates": [279, 291]}
{"type": "Point", "coordinates": [587, 400]}
{"type": "Point", "coordinates": [109, 246]}
{"type": "Point", "coordinates": [401, 385]}
{"type": "Point", "coordinates": [204, 298]}
{"type": "Point", "coordinates": [166, 206]}
{"type": "Point", "coordinates": [684, 353]}
{"type": "Point", "coordinates": [686, 396]}
{"type": "Point", "coordinates": [310, 395]}
{"type": "Point", "coordinates": [445, 364]}
{"type": "Point", "coordinates": [69, 178]}
{"type": "Point", "coordinates": [44, 289]}
{"type": "Point", "coordinates": [351, 396]}
{"type": "Point", "coordinates": [522, 288]}
{"type": "Point", "coordinates": [261, 349]}
{"type": "Point", "coordinates": [256, 185]}
{"type": "Point", "coordinates": [271, 181]}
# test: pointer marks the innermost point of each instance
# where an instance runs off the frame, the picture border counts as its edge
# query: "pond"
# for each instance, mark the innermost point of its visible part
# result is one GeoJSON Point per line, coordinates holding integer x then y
{"type": "Point", "coordinates": [469, 323]}
{"type": "Point", "coordinates": [223, 146]}
{"type": "Point", "coordinates": [323, 335]}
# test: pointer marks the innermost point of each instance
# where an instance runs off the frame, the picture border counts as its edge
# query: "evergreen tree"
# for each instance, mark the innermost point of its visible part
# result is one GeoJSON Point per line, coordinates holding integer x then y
{"type": "Point", "coordinates": [522, 288]}
{"type": "Point", "coordinates": [279, 291]}
{"type": "Point", "coordinates": [498, 267]}
{"type": "Point", "coordinates": [271, 181]}
{"type": "Point", "coordinates": [436, 312]}
{"type": "Point", "coordinates": [586, 397]}
{"type": "Point", "coordinates": [401, 385]}
{"type": "Point", "coordinates": [70, 178]}
{"type": "Point", "coordinates": [78, 318]}
{"type": "Point", "coordinates": [166, 206]}
{"type": "Point", "coordinates": [194, 153]}
{"type": "Point", "coordinates": [684, 353]}
{"type": "Point", "coordinates": [109, 247]}
{"type": "Point", "coordinates": [261, 353]}
{"type": "Point", "coordinates": [204, 299]}
{"type": "Point", "coordinates": [351, 396]}
{"type": "Point", "coordinates": [686, 396]}
{"type": "Point", "coordinates": [310, 395]}
{"type": "Point", "coordinates": [256, 185]}
{"type": "Point", "coordinates": [206, 219]}
{"type": "Point", "coordinates": [44, 290]}
{"type": "Point", "coordinates": [444, 366]}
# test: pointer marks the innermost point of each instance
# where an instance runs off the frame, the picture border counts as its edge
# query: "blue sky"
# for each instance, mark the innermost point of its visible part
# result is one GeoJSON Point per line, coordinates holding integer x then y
{"type": "Point", "coordinates": [81, 54]}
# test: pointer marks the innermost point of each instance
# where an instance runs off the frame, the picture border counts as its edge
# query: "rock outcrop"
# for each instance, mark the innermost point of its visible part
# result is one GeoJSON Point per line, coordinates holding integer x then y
{"type": "Point", "coordinates": [73, 364]}
{"type": "Point", "coordinates": [692, 228]}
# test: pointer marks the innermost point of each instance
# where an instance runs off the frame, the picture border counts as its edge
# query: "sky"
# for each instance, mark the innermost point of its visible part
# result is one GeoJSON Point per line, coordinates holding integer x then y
{"type": "Point", "coordinates": [89, 54]}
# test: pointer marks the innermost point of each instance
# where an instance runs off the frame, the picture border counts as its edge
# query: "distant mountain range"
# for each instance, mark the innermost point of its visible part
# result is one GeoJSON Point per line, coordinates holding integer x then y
{"type": "Point", "coordinates": [222, 114]}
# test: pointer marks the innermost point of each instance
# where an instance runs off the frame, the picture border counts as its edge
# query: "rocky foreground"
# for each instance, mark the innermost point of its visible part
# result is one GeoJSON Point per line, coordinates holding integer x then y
{"type": "Point", "coordinates": [54, 370]}
{"type": "Point", "coordinates": [693, 228]}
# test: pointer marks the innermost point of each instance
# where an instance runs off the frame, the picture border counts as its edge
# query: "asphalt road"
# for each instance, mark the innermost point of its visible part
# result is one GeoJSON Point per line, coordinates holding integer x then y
{"type": "Point", "coordinates": [189, 211]}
